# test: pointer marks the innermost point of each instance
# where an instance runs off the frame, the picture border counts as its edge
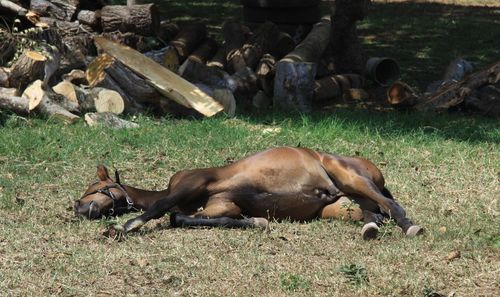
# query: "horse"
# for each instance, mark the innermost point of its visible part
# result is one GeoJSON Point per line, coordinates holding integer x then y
{"type": "Point", "coordinates": [282, 183]}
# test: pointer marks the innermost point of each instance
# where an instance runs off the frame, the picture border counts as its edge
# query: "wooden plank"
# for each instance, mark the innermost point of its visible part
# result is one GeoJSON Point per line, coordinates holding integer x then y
{"type": "Point", "coordinates": [166, 82]}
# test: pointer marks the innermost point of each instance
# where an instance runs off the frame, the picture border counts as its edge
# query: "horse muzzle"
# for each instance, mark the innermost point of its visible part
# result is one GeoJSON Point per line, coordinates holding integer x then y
{"type": "Point", "coordinates": [89, 210]}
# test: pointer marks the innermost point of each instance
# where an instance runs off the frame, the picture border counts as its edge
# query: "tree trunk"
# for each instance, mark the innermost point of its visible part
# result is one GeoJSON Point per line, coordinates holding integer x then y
{"type": "Point", "coordinates": [140, 19]}
{"type": "Point", "coordinates": [90, 18]}
{"type": "Point", "coordinates": [347, 51]}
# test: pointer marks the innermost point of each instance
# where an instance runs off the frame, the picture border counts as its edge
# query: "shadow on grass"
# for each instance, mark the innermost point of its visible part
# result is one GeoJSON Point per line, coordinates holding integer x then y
{"type": "Point", "coordinates": [450, 126]}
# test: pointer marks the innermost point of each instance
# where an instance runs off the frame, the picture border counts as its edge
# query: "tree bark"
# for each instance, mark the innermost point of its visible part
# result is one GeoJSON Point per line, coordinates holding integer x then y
{"type": "Point", "coordinates": [140, 19]}
{"type": "Point", "coordinates": [266, 71]}
{"type": "Point", "coordinates": [90, 18]}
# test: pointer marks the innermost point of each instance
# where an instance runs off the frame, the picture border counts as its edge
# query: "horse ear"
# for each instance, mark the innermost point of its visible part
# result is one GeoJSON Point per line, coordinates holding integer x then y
{"type": "Point", "coordinates": [117, 177]}
{"type": "Point", "coordinates": [102, 172]}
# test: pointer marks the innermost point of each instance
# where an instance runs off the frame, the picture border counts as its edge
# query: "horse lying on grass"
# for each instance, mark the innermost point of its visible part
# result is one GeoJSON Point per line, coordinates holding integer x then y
{"type": "Point", "coordinates": [298, 184]}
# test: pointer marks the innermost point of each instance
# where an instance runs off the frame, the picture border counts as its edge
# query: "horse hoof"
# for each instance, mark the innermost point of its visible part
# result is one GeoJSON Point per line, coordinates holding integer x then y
{"type": "Point", "coordinates": [260, 223]}
{"type": "Point", "coordinates": [414, 230]}
{"type": "Point", "coordinates": [369, 231]}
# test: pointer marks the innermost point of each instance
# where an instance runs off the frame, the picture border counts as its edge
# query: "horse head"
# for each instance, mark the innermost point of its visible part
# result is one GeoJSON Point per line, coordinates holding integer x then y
{"type": "Point", "coordinates": [103, 198]}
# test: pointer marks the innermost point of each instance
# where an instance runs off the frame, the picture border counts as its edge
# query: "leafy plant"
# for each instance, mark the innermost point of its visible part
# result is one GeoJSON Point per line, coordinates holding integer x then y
{"type": "Point", "coordinates": [294, 282]}
{"type": "Point", "coordinates": [356, 274]}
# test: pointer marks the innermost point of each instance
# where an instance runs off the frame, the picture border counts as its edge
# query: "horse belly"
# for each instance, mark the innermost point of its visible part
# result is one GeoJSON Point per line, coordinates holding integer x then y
{"type": "Point", "coordinates": [294, 207]}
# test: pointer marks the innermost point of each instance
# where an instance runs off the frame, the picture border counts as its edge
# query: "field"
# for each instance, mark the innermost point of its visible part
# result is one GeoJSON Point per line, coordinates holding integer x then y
{"type": "Point", "coordinates": [444, 169]}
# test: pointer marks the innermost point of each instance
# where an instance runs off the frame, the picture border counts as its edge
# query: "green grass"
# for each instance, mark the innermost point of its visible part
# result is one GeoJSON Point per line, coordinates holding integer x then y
{"type": "Point", "coordinates": [444, 169]}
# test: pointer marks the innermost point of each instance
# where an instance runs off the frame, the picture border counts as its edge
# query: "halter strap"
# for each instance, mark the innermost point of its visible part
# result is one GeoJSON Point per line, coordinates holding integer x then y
{"type": "Point", "coordinates": [105, 190]}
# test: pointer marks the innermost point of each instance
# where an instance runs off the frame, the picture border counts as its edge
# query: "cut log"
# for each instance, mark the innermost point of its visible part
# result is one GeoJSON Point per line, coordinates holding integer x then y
{"type": "Point", "coordinates": [219, 60]}
{"type": "Point", "coordinates": [211, 76]}
{"type": "Point", "coordinates": [283, 46]}
{"type": "Point", "coordinates": [332, 87]}
{"type": "Point", "coordinates": [49, 103]}
{"type": "Point", "coordinates": [313, 46]}
{"type": "Point", "coordinates": [457, 70]}
{"type": "Point", "coordinates": [4, 77]}
{"type": "Point", "coordinates": [226, 98]}
{"type": "Point", "coordinates": [485, 101]}
{"type": "Point", "coordinates": [246, 84]}
{"type": "Point", "coordinates": [108, 120]}
{"type": "Point", "coordinates": [265, 74]}
{"type": "Point", "coordinates": [59, 9]}
{"type": "Point", "coordinates": [263, 41]}
{"type": "Point", "coordinates": [7, 46]}
{"type": "Point", "coordinates": [455, 93]}
{"type": "Point", "coordinates": [14, 7]}
{"type": "Point", "coordinates": [188, 39]}
{"type": "Point", "coordinates": [16, 104]}
{"type": "Point", "coordinates": [76, 76]}
{"type": "Point", "coordinates": [165, 81]}
{"type": "Point", "coordinates": [140, 19]}
{"type": "Point", "coordinates": [167, 31]}
{"type": "Point", "coordinates": [92, 99]}
{"type": "Point", "coordinates": [37, 94]}
{"type": "Point", "coordinates": [90, 18]}
{"type": "Point", "coordinates": [401, 96]}
{"type": "Point", "coordinates": [293, 86]}
{"type": "Point", "coordinates": [136, 88]}
{"type": "Point", "coordinates": [261, 100]}
{"type": "Point", "coordinates": [200, 55]}
{"type": "Point", "coordinates": [234, 37]}
{"type": "Point", "coordinates": [29, 67]}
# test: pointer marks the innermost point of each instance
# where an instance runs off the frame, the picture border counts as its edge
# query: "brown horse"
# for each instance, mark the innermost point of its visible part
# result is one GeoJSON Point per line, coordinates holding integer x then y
{"type": "Point", "coordinates": [299, 184]}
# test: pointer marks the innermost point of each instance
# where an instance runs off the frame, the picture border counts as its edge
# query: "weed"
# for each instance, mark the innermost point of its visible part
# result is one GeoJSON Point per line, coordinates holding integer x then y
{"type": "Point", "coordinates": [294, 282]}
{"type": "Point", "coordinates": [355, 274]}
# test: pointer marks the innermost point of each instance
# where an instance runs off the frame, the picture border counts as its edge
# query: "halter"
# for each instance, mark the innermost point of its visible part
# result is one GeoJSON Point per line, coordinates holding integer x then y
{"type": "Point", "coordinates": [105, 190]}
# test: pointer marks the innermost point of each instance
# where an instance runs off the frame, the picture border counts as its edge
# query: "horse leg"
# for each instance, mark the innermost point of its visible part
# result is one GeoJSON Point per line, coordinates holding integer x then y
{"type": "Point", "coordinates": [185, 187]}
{"type": "Point", "coordinates": [364, 187]}
{"type": "Point", "coordinates": [218, 214]}
{"type": "Point", "coordinates": [356, 209]}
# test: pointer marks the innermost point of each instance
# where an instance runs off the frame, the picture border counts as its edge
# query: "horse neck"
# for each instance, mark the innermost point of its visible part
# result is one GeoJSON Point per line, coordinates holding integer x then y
{"type": "Point", "coordinates": [144, 199]}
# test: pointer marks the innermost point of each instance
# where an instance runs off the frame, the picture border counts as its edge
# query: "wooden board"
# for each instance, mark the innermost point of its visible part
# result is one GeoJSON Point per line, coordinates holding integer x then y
{"type": "Point", "coordinates": [166, 82]}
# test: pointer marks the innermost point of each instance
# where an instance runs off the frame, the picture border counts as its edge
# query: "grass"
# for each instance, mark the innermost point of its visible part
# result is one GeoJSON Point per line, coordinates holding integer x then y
{"type": "Point", "coordinates": [444, 169]}
{"type": "Point", "coordinates": [447, 178]}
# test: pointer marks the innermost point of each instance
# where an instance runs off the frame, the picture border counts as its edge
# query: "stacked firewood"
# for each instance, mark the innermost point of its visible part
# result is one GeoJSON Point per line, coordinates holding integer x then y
{"type": "Point", "coordinates": [65, 58]}
{"type": "Point", "coordinates": [75, 61]}
{"type": "Point", "coordinates": [461, 89]}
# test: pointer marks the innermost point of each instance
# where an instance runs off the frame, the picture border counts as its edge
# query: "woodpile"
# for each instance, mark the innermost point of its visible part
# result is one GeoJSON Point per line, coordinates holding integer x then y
{"type": "Point", "coordinates": [460, 88]}
{"type": "Point", "coordinates": [82, 59]}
